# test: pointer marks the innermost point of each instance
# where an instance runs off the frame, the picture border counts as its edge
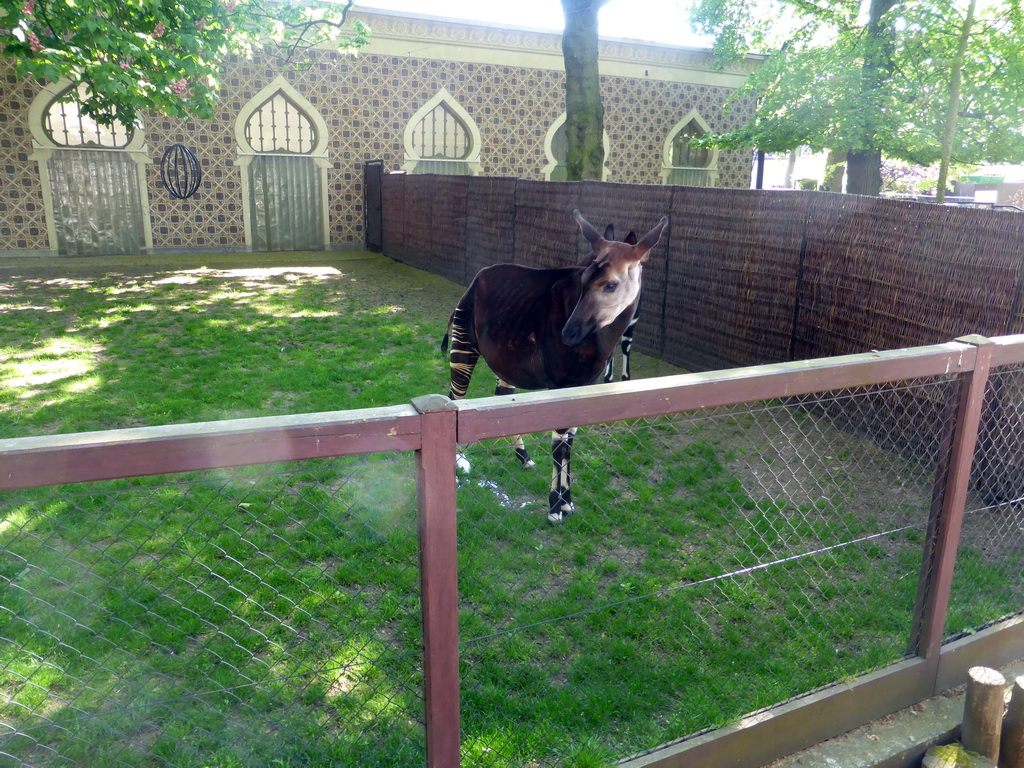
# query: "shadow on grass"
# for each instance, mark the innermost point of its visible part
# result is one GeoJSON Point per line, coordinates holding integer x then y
{"type": "Point", "coordinates": [121, 349]}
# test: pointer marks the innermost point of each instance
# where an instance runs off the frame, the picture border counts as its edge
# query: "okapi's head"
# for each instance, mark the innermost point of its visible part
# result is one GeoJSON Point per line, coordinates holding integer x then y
{"type": "Point", "coordinates": [611, 284]}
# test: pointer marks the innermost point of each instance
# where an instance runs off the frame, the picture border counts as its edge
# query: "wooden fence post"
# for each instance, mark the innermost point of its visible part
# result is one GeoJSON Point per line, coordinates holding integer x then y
{"type": "Point", "coordinates": [944, 528]}
{"type": "Point", "coordinates": [435, 482]}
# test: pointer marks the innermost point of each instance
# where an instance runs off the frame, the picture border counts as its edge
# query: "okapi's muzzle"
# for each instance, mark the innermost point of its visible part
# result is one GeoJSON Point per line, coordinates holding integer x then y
{"type": "Point", "coordinates": [576, 331]}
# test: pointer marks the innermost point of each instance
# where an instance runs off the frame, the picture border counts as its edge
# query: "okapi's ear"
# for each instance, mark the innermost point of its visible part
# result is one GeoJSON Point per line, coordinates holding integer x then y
{"type": "Point", "coordinates": [630, 238]}
{"type": "Point", "coordinates": [609, 232]}
{"type": "Point", "coordinates": [588, 231]}
{"type": "Point", "coordinates": [650, 240]}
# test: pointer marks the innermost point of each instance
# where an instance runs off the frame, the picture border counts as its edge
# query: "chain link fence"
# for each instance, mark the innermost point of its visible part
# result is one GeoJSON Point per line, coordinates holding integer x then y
{"type": "Point", "coordinates": [720, 560]}
{"type": "Point", "coordinates": [989, 578]}
{"type": "Point", "coordinates": [255, 617]}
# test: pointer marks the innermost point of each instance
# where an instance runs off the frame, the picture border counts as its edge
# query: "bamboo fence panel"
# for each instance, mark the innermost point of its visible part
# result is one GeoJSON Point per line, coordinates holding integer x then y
{"type": "Point", "coordinates": [545, 229]}
{"type": "Point", "coordinates": [883, 274]}
{"type": "Point", "coordinates": [490, 223]}
{"type": "Point", "coordinates": [732, 276]}
{"type": "Point", "coordinates": [417, 220]}
{"type": "Point", "coordinates": [448, 227]}
{"type": "Point", "coordinates": [392, 200]}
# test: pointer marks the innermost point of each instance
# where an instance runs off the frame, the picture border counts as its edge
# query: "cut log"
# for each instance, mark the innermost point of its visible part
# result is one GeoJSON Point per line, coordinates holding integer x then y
{"type": "Point", "coordinates": [1011, 746]}
{"type": "Point", "coordinates": [983, 712]}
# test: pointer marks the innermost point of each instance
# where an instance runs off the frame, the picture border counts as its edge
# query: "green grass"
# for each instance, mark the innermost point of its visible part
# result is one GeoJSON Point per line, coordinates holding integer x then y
{"type": "Point", "coordinates": [205, 344]}
{"type": "Point", "coordinates": [269, 616]}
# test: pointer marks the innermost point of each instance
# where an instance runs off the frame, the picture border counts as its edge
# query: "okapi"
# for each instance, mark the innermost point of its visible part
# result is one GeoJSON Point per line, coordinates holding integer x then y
{"type": "Point", "coordinates": [627, 335]}
{"type": "Point", "coordinates": [549, 329]}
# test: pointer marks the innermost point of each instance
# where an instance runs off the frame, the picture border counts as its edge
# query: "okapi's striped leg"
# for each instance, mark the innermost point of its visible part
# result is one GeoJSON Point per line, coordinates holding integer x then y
{"type": "Point", "coordinates": [461, 362]}
{"type": "Point", "coordinates": [504, 388]}
{"type": "Point", "coordinates": [609, 367]}
{"type": "Point", "coordinates": [560, 498]}
{"type": "Point", "coordinates": [463, 356]}
{"type": "Point", "coordinates": [627, 347]}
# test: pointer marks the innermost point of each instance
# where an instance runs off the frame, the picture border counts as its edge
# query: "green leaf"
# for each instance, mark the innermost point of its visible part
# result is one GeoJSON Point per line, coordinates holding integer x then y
{"type": "Point", "coordinates": [82, 29]}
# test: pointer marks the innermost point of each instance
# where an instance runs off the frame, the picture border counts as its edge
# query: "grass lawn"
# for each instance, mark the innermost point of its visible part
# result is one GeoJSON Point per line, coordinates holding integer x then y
{"type": "Point", "coordinates": [269, 616]}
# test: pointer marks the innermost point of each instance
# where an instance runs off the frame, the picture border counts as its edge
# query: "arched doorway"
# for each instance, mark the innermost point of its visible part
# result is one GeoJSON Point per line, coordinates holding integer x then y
{"type": "Point", "coordinates": [441, 137]}
{"type": "Point", "coordinates": [282, 148]}
{"type": "Point", "coordinates": [684, 163]}
{"type": "Point", "coordinates": [93, 177]}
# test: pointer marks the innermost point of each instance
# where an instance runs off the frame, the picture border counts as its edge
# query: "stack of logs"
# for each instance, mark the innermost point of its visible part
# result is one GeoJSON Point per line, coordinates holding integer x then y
{"type": "Point", "coordinates": [985, 729]}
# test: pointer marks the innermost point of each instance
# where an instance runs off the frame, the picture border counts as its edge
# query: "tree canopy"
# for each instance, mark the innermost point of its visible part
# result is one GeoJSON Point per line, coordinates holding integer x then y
{"type": "Point", "coordinates": [161, 55]}
{"type": "Point", "coordinates": [877, 78]}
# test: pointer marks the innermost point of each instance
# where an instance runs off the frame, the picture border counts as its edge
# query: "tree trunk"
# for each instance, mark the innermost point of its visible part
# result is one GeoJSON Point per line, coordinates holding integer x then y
{"type": "Point", "coordinates": [584, 111]}
{"type": "Point", "coordinates": [955, 76]}
{"type": "Point", "coordinates": [835, 169]}
{"type": "Point", "coordinates": [864, 164]}
{"type": "Point", "coordinates": [790, 167]}
{"type": "Point", "coordinates": [864, 172]}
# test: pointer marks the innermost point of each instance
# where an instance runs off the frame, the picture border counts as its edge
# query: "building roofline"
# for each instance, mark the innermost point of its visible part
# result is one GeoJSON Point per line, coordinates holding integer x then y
{"type": "Point", "coordinates": [438, 37]}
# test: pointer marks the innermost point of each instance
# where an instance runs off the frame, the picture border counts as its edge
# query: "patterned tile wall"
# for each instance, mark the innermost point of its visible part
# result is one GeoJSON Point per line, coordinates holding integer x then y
{"type": "Point", "coordinates": [22, 219]}
{"type": "Point", "coordinates": [366, 102]}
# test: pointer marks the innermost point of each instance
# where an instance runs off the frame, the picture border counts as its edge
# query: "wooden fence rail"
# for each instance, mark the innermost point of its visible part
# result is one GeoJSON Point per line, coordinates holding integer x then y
{"type": "Point", "coordinates": [433, 427]}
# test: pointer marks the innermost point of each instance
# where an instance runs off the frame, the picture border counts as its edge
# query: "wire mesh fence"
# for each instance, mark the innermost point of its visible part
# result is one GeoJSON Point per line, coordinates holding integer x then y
{"type": "Point", "coordinates": [989, 577]}
{"type": "Point", "coordinates": [719, 562]}
{"type": "Point", "coordinates": [254, 617]}
{"type": "Point", "coordinates": [721, 559]}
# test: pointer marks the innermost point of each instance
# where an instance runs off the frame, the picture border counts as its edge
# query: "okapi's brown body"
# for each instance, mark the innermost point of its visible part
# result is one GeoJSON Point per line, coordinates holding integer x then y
{"type": "Point", "coordinates": [549, 329]}
{"type": "Point", "coordinates": [519, 333]}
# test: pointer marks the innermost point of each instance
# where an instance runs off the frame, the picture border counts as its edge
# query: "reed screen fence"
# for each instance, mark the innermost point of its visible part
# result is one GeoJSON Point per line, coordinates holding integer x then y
{"type": "Point", "coordinates": [741, 277]}
{"type": "Point", "coordinates": [328, 590]}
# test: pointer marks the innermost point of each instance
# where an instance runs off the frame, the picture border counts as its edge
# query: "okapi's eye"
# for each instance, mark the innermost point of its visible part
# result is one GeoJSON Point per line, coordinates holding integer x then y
{"type": "Point", "coordinates": [609, 287]}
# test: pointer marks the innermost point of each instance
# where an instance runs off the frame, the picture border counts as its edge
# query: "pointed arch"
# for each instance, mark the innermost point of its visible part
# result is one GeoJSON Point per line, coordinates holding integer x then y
{"type": "Point", "coordinates": [685, 164]}
{"type": "Point", "coordinates": [64, 125]}
{"type": "Point", "coordinates": [280, 120]}
{"type": "Point", "coordinates": [442, 137]}
{"type": "Point", "coordinates": [90, 174]}
{"type": "Point", "coordinates": [281, 140]}
{"type": "Point", "coordinates": [554, 151]}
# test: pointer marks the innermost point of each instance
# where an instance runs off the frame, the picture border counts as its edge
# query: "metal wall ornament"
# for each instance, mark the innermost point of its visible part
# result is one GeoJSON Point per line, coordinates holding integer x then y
{"type": "Point", "coordinates": [180, 171]}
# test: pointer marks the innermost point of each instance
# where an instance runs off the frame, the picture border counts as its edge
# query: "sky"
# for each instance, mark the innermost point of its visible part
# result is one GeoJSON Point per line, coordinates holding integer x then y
{"type": "Point", "coordinates": [659, 21]}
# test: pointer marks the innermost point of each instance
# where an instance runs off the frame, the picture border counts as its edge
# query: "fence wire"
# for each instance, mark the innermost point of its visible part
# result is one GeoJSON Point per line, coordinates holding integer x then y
{"type": "Point", "coordinates": [989, 577]}
{"type": "Point", "coordinates": [265, 617]}
{"type": "Point", "coordinates": [719, 562]}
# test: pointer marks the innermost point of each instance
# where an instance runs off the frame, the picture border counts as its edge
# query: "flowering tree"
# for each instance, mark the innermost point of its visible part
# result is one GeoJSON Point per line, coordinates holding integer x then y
{"type": "Point", "coordinates": [161, 55]}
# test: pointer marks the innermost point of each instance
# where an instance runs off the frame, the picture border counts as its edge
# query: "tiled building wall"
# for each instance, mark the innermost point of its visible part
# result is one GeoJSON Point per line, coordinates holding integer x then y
{"type": "Point", "coordinates": [22, 219]}
{"type": "Point", "coordinates": [366, 102]}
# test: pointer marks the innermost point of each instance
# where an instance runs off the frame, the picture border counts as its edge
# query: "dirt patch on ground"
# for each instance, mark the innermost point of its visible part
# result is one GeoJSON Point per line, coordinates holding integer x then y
{"type": "Point", "coordinates": [788, 455]}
